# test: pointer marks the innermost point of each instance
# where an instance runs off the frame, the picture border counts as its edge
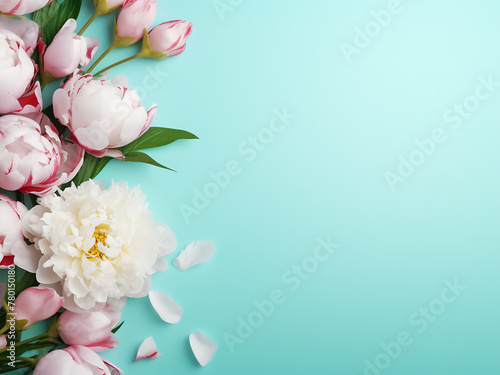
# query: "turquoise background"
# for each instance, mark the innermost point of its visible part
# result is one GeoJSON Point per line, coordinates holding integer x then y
{"type": "Point", "coordinates": [324, 175]}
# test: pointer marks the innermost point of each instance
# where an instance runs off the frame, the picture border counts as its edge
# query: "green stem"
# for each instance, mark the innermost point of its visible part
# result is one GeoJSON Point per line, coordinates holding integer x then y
{"type": "Point", "coordinates": [89, 22]}
{"type": "Point", "coordinates": [33, 200]}
{"type": "Point", "coordinates": [27, 341]}
{"type": "Point", "coordinates": [17, 366]}
{"type": "Point", "coordinates": [105, 53]}
{"type": "Point", "coordinates": [119, 63]}
{"type": "Point", "coordinates": [19, 196]}
{"type": "Point", "coordinates": [27, 360]}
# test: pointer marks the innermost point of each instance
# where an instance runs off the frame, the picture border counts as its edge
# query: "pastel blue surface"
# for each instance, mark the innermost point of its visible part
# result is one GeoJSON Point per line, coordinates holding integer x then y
{"type": "Point", "coordinates": [413, 287]}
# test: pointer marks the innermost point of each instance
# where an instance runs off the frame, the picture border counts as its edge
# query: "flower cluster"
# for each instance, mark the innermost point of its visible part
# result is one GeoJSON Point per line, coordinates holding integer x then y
{"type": "Point", "coordinates": [83, 248]}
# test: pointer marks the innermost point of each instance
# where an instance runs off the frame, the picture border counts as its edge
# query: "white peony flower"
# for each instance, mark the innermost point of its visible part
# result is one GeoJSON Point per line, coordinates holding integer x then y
{"type": "Point", "coordinates": [97, 245]}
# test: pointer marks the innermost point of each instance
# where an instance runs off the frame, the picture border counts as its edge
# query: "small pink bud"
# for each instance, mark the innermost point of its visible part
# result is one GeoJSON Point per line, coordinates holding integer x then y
{"type": "Point", "coordinates": [89, 329]}
{"type": "Point", "coordinates": [36, 304]}
{"type": "Point", "coordinates": [68, 51]}
{"type": "Point", "coordinates": [170, 37]}
{"type": "Point", "coordinates": [134, 17]}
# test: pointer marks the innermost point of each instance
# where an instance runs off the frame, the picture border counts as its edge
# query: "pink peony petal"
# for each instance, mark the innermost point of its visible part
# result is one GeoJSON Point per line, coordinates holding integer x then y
{"type": "Point", "coordinates": [168, 310]}
{"type": "Point", "coordinates": [115, 370]}
{"type": "Point", "coordinates": [148, 350]}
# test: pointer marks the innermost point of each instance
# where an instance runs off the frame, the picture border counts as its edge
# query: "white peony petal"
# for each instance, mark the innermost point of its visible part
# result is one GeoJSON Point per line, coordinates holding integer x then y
{"type": "Point", "coordinates": [203, 348]}
{"type": "Point", "coordinates": [148, 350]}
{"type": "Point", "coordinates": [168, 310]}
{"type": "Point", "coordinates": [195, 253]}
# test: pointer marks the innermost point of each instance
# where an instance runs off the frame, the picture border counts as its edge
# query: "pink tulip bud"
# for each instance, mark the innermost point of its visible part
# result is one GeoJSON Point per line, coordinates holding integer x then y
{"type": "Point", "coordinates": [76, 360]}
{"type": "Point", "coordinates": [68, 50]}
{"type": "Point", "coordinates": [89, 329]}
{"type": "Point", "coordinates": [134, 17]}
{"type": "Point", "coordinates": [170, 37]}
{"type": "Point", "coordinates": [36, 304]}
{"type": "Point", "coordinates": [20, 7]}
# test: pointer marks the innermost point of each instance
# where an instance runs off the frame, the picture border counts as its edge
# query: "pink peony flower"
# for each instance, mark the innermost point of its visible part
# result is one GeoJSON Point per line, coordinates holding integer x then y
{"type": "Point", "coordinates": [19, 92]}
{"type": "Point", "coordinates": [33, 159]}
{"type": "Point", "coordinates": [170, 37]}
{"type": "Point", "coordinates": [89, 329]}
{"type": "Point", "coordinates": [20, 7]}
{"type": "Point", "coordinates": [134, 17]}
{"type": "Point", "coordinates": [12, 242]}
{"type": "Point", "coordinates": [68, 50]}
{"type": "Point", "coordinates": [25, 29]}
{"type": "Point", "coordinates": [101, 115]}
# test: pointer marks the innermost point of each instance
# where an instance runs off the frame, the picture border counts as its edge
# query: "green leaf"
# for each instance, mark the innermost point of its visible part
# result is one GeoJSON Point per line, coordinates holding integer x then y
{"type": "Point", "coordinates": [156, 137]}
{"type": "Point", "coordinates": [28, 280]}
{"type": "Point", "coordinates": [114, 330]}
{"type": "Point", "coordinates": [54, 15]}
{"type": "Point", "coordinates": [140, 157]}
{"type": "Point", "coordinates": [91, 167]}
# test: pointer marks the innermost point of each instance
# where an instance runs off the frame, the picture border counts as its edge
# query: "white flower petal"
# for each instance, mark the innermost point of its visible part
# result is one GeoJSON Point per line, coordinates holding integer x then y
{"type": "Point", "coordinates": [148, 350]}
{"type": "Point", "coordinates": [203, 348]}
{"type": "Point", "coordinates": [168, 310]}
{"type": "Point", "coordinates": [195, 253]}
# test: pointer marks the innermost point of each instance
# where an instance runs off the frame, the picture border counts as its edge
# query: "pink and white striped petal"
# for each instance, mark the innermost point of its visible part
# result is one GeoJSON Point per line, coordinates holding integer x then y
{"type": "Point", "coordinates": [148, 350]}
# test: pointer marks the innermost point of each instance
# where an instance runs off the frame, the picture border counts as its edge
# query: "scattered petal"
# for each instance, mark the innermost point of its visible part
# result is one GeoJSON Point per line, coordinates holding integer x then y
{"type": "Point", "coordinates": [195, 253]}
{"type": "Point", "coordinates": [168, 310]}
{"type": "Point", "coordinates": [203, 348]}
{"type": "Point", "coordinates": [148, 350]}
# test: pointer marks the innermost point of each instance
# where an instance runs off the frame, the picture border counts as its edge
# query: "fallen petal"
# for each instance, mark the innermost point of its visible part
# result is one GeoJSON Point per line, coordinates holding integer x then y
{"type": "Point", "coordinates": [168, 310]}
{"type": "Point", "coordinates": [195, 253]}
{"type": "Point", "coordinates": [148, 350]}
{"type": "Point", "coordinates": [203, 348]}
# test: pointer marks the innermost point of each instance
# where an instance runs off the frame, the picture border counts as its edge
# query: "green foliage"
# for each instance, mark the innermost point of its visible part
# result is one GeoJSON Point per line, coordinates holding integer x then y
{"type": "Point", "coordinates": [54, 15]}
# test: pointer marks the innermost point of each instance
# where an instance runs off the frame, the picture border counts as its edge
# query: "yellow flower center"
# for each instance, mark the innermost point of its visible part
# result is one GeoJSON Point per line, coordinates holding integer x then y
{"type": "Point", "coordinates": [100, 235]}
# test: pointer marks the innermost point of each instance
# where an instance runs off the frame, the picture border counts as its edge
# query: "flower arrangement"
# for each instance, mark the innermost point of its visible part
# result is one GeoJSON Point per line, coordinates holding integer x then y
{"type": "Point", "coordinates": [83, 248]}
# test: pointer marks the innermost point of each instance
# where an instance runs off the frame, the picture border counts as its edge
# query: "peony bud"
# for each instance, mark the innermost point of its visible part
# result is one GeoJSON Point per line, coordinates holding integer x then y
{"type": "Point", "coordinates": [102, 115]}
{"type": "Point", "coordinates": [20, 7]}
{"type": "Point", "coordinates": [33, 159]}
{"type": "Point", "coordinates": [134, 17]}
{"type": "Point", "coordinates": [170, 38]}
{"type": "Point", "coordinates": [76, 360]}
{"type": "Point", "coordinates": [103, 7]}
{"type": "Point", "coordinates": [68, 50]}
{"type": "Point", "coordinates": [36, 304]}
{"type": "Point", "coordinates": [89, 329]}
